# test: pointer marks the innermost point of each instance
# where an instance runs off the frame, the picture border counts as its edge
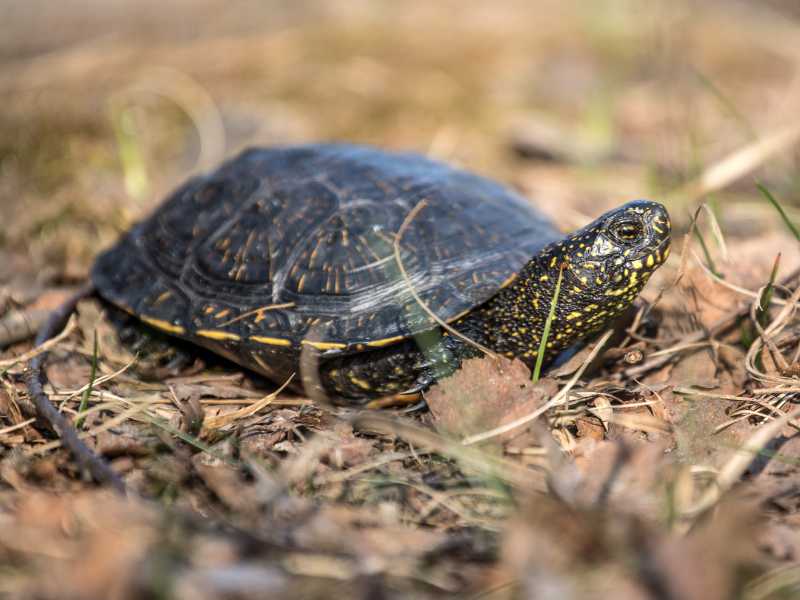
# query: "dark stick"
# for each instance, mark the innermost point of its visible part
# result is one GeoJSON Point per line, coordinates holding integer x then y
{"type": "Point", "coordinates": [36, 380]}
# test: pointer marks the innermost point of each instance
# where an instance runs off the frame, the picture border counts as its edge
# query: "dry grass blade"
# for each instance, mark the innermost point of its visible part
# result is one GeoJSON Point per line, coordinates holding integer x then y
{"type": "Point", "coordinates": [716, 328]}
{"type": "Point", "coordinates": [766, 335]}
{"type": "Point", "coordinates": [732, 286]}
{"type": "Point", "coordinates": [782, 582]}
{"type": "Point", "coordinates": [738, 463]}
{"type": "Point", "coordinates": [739, 163]}
{"type": "Point", "coordinates": [104, 426]}
{"type": "Point", "coordinates": [716, 230]}
{"type": "Point", "coordinates": [558, 399]}
{"type": "Point", "coordinates": [12, 428]}
{"type": "Point", "coordinates": [221, 421]}
{"type": "Point", "coordinates": [488, 465]}
{"type": "Point", "coordinates": [397, 239]}
{"type": "Point", "coordinates": [255, 311]}
{"type": "Point", "coordinates": [99, 381]}
{"type": "Point", "coordinates": [41, 349]}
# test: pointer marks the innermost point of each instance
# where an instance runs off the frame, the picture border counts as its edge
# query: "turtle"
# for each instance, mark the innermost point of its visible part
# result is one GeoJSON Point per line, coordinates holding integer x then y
{"type": "Point", "coordinates": [389, 268]}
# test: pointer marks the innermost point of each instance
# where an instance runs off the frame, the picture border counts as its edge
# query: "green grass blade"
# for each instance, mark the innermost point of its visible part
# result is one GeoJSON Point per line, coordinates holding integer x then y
{"type": "Point", "coordinates": [191, 440]}
{"type": "Point", "coordinates": [768, 195]}
{"type": "Point", "coordinates": [88, 391]}
{"type": "Point", "coordinates": [547, 324]}
{"type": "Point", "coordinates": [762, 313]}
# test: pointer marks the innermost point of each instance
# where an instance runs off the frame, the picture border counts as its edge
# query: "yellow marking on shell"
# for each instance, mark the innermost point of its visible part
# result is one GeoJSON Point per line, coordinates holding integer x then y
{"type": "Point", "coordinates": [313, 256]}
{"type": "Point", "coordinates": [324, 345]}
{"type": "Point", "coordinates": [385, 341]}
{"type": "Point", "coordinates": [657, 228]}
{"type": "Point", "coordinates": [271, 341]}
{"type": "Point", "coordinates": [508, 281]}
{"type": "Point", "coordinates": [208, 310]}
{"type": "Point", "coordinates": [163, 325]}
{"type": "Point", "coordinates": [573, 315]}
{"type": "Point", "coordinates": [364, 385]}
{"type": "Point", "coordinates": [637, 264]}
{"type": "Point", "coordinates": [666, 252]}
{"type": "Point", "coordinates": [553, 262]}
{"type": "Point", "coordinates": [650, 260]}
{"type": "Point", "coordinates": [543, 278]}
{"type": "Point", "coordinates": [163, 296]}
{"type": "Point", "coordinates": [223, 313]}
{"type": "Point", "coordinates": [301, 283]}
{"type": "Point", "coordinates": [215, 334]}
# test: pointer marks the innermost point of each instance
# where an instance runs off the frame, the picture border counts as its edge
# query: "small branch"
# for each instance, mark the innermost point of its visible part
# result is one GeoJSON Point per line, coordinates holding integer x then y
{"type": "Point", "coordinates": [36, 380]}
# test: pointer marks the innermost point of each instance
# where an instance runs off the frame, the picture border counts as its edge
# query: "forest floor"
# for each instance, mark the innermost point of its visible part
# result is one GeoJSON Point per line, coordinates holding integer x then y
{"type": "Point", "coordinates": [665, 469]}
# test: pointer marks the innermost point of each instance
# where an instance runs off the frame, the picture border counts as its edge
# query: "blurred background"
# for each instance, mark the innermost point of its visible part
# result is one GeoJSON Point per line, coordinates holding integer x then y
{"type": "Point", "coordinates": [108, 104]}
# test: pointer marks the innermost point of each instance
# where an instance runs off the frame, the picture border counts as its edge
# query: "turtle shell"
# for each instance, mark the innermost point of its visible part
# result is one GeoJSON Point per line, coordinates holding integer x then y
{"type": "Point", "coordinates": [285, 247]}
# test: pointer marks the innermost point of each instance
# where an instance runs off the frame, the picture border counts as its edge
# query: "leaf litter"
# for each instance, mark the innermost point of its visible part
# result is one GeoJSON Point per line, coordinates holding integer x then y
{"type": "Point", "coordinates": [665, 467]}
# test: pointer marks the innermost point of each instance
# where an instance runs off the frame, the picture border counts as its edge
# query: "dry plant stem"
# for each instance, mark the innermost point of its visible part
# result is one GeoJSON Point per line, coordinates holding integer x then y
{"type": "Point", "coordinates": [734, 288]}
{"type": "Point", "coordinates": [397, 238]}
{"type": "Point", "coordinates": [739, 163]}
{"type": "Point", "coordinates": [765, 339]}
{"type": "Point", "coordinates": [40, 349]}
{"type": "Point", "coordinates": [255, 311]}
{"type": "Point", "coordinates": [125, 415]}
{"type": "Point", "coordinates": [719, 327]}
{"type": "Point", "coordinates": [36, 380]}
{"type": "Point", "coordinates": [558, 399]}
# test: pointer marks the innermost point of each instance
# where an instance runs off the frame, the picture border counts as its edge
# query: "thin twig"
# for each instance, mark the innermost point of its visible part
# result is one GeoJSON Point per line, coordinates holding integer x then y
{"type": "Point", "coordinates": [41, 348]}
{"type": "Point", "coordinates": [398, 237]}
{"type": "Point", "coordinates": [36, 380]}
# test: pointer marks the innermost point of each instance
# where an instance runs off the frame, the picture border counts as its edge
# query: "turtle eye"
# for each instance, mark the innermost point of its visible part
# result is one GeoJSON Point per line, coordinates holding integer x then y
{"type": "Point", "coordinates": [627, 231]}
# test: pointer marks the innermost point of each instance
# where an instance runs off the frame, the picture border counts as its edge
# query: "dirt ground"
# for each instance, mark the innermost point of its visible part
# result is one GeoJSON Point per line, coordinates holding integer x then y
{"type": "Point", "coordinates": [666, 469]}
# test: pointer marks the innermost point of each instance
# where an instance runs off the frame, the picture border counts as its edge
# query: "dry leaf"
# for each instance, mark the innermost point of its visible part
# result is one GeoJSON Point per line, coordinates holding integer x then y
{"type": "Point", "coordinates": [483, 394]}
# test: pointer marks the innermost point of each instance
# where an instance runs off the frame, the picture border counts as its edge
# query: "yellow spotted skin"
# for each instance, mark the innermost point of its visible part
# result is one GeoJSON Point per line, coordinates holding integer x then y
{"type": "Point", "coordinates": [288, 251]}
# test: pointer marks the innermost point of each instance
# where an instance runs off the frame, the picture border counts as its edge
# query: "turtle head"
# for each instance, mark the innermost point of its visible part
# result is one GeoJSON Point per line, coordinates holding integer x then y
{"type": "Point", "coordinates": [605, 265]}
{"type": "Point", "coordinates": [601, 269]}
{"type": "Point", "coordinates": [614, 256]}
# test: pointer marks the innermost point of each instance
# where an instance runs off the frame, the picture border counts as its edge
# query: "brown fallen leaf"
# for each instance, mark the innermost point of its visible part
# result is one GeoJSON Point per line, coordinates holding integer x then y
{"type": "Point", "coordinates": [486, 393]}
